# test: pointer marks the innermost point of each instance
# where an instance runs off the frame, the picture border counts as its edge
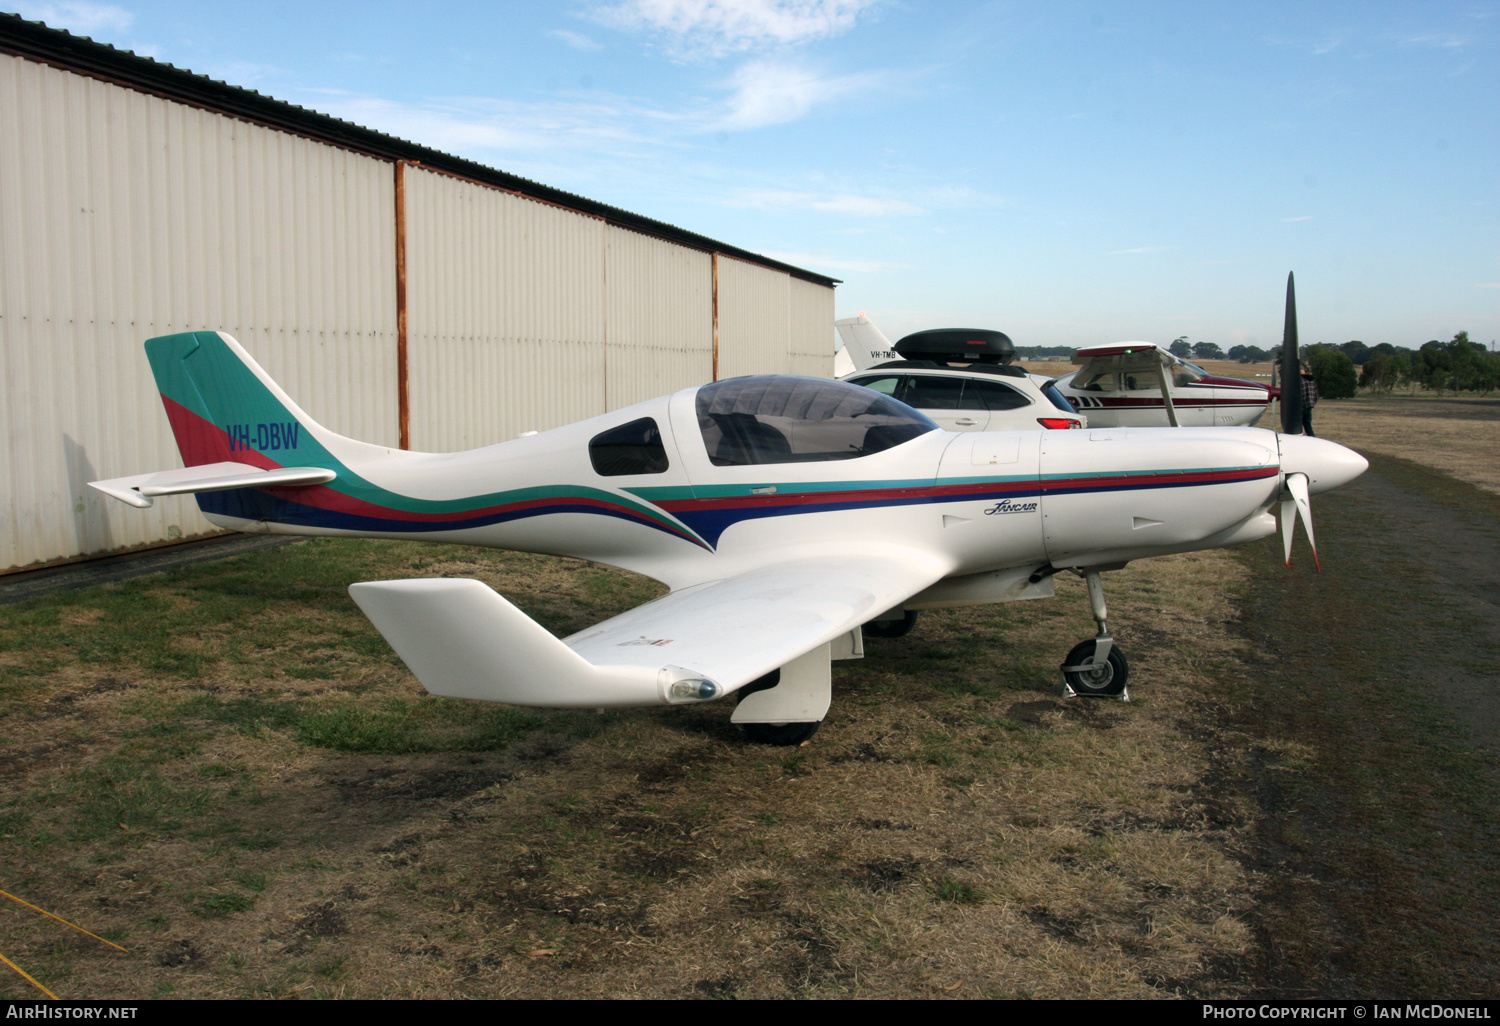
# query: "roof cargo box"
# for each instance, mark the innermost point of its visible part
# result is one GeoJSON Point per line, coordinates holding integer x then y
{"type": "Point", "coordinates": [958, 345]}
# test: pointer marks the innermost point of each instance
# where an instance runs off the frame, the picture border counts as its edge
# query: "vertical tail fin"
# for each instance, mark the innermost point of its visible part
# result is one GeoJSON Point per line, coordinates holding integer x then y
{"type": "Point", "coordinates": [223, 407]}
{"type": "Point", "coordinates": [864, 343]}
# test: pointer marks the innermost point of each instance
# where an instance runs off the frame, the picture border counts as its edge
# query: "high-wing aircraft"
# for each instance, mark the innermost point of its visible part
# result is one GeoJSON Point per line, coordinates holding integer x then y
{"type": "Point", "coordinates": [783, 512]}
{"type": "Point", "coordinates": [1139, 384]}
{"type": "Point", "coordinates": [1127, 384]}
{"type": "Point", "coordinates": [961, 378]}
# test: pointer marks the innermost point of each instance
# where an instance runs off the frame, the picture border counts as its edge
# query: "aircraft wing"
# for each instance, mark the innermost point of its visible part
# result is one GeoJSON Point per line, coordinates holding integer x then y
{"type": "Point", "coordinates": [464, 640]}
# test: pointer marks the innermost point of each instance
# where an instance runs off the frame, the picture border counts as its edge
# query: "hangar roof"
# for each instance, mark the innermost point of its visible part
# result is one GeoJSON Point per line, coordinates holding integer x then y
{"type": "Point", "coordinates": [79, 54]}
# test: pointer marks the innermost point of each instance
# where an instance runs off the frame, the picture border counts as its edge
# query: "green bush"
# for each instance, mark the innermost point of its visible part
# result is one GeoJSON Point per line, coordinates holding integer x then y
{"type": "Point", "coordinates": [1334, 373]}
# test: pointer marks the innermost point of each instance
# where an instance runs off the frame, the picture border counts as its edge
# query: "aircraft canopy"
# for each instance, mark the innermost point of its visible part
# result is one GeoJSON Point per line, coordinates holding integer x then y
{"type": "Point", "coordinates": [782, 418]}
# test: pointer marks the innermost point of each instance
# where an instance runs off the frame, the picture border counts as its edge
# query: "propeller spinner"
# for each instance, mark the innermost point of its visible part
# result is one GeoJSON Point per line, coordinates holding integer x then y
{"type": "Point", "coordinates": [1308, 466]}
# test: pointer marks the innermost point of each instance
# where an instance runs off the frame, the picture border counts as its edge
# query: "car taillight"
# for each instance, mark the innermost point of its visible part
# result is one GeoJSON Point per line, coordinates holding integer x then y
{"type": "Point", "coordinates": [1058, 423]}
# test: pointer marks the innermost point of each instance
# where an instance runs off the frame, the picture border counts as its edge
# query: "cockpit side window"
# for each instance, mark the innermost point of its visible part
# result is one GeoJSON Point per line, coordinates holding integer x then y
{"type": "Point", "coordinates": [1186, 373]}
{"type": "Point", "coordinates": [634, 448]}
{"type": "Point", "coordinates": [779, 418]}
{"type": "Point", "coordinates": [1099, 381]}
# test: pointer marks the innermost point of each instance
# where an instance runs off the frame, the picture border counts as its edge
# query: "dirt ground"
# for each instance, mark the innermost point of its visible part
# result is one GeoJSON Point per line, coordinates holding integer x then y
{"type": "Point", "coordinates": [225, 771]}
{"type": "Point", "coordinates": [1459, 437]}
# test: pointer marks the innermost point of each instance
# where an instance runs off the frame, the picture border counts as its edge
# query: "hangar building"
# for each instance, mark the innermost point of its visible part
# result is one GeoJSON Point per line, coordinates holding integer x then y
{"type": "Point", "coordinates": [401, 295]}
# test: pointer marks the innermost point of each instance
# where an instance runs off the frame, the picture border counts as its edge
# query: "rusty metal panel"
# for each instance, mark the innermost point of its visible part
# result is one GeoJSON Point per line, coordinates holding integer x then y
{"type": "Point", "coordinates": [124, 216]}
{"type": "Point", "coordinates": [660, 317]}
{"type": "Point", "coordinates": [810, 330]}
{"type": "Point", "coordinates": [505, 313]}
{"type": "Point", "coordinates": [754, 312]}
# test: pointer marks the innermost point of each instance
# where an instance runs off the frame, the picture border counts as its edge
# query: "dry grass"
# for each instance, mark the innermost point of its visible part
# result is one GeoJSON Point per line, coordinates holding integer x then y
{"type": "Point", "coordinates": [954, 830]}
{"type": "Point", "coordinates": [226, 771]}
{"type": "Point", "coordinates": [1456, 436]}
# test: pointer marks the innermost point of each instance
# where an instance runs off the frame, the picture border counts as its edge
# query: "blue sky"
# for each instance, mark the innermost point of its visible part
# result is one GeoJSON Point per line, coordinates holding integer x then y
{"type": "Point", "coordinates": [1070, 173]}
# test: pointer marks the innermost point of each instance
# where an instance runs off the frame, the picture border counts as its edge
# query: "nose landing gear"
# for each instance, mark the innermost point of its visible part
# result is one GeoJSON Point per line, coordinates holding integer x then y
{"type": "Point", "coordinates": [1096, 668]}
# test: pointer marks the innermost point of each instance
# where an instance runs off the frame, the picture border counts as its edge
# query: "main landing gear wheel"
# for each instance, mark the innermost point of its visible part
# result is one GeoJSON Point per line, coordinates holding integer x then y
{"type": "Point", "coordinates": [892, 628]}
{"type": "Point", "coordinates": [1106, 681]}
{"type": "Point", "coordinates": [783, 734]}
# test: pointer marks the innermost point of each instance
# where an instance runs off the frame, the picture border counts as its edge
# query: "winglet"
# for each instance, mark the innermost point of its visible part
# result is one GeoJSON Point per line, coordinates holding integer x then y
{"type": "Point", "coordinates": [463, 640]}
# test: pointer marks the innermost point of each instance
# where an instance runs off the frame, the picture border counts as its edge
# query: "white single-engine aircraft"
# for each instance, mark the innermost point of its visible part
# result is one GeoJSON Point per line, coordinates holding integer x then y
{"type": "Point", "coordinates": [1127, 384]}
{"type": "Point", "coordinates": [1139, 384]}
{"type": "Point", "coordinates": [783, 512]}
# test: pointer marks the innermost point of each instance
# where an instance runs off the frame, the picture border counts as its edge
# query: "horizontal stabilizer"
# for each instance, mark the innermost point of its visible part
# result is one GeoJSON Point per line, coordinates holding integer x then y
{"type": "Point", "coordinates": [140, 489]}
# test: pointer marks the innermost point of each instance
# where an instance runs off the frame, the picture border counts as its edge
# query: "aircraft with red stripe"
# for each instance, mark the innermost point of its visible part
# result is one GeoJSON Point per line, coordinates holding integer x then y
{"type": "Point", "coordinates": [788, 515]}
{"type": "Point", "coordinates": [1140, 384]}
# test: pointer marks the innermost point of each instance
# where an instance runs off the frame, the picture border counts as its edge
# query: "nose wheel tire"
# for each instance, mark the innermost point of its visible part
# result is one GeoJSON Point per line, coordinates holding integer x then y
{"type": "Point", "coordinates": [1106, 681]}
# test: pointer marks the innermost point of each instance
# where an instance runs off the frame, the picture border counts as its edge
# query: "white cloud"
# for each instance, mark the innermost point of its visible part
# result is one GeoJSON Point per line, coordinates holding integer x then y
{"type": "Point", "coordinates": [1317, 48]}
{"type": "Point", "coordinates": [711, 28]}
{"type": "Point", "coordinates": [759, 93]}
{"type": "Point", "coordinates": [1443, 41]}
{"type": "Point", "coordinates": [82, 18]}
{"type": "Point", "coordinates": [962, 197]}
{"type": "Point", "coordinates": [464, 125]}
{"type": "Point", "coordinates": [577, 40]}
{"type": "Point", "coordinates": [858, 206]}
{"type": "Point", "coordinates": [811, 260]}
{"type": "Point", "coordinates": [772, 93]}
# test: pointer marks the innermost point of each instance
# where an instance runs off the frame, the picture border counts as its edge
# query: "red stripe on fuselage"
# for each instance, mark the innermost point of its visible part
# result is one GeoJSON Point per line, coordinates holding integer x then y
{"type": "Point", "coordinates": [1178, 400]}
{"type": "Point", "coordinates": [958, 492]}
{"type": "Point", "coordinates": [201, 442]}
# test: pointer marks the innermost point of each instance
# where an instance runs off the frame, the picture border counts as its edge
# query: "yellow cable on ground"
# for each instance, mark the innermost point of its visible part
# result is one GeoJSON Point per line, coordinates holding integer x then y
{"type": "Point", "coordinates": [24, 973]}
{"type": "Point", "coordinates": [60, 919]}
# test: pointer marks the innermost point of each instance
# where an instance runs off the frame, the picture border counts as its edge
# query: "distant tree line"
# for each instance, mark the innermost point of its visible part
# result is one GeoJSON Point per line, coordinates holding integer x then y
{"type": "Point", "coordinates": [1458, 365]}
{"type": "Point", "coordinates": [1044, 353]}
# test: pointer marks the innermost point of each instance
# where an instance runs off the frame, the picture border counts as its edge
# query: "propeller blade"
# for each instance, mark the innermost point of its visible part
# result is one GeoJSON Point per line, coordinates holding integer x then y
{"type": "Point", "coordinates": [1295, 486]}
{"type": "Point", "coordinates": [1291, 367]}
{"type": "Point", "coordinates": [1288, 526]}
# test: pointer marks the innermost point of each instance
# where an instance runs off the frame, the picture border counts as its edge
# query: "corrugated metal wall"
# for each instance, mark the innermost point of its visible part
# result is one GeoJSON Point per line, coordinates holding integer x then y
{"type": "Point", "coordinates": [660, 327]}
{"type": "Point", "coordinates": [770, 322]}
{"type": "Point", "coordinates": [810, 328]}
{"type": "Point", "coordinates": [754, 304]}
{"type": "Point", "coordinates": [504, 313]}
{"type": "Point", "coordinates": [124, 216]}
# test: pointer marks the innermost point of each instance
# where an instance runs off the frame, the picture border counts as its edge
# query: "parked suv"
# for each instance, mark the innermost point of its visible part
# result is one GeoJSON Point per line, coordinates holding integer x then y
{"type": "Point", "coordinates": [962, 379]}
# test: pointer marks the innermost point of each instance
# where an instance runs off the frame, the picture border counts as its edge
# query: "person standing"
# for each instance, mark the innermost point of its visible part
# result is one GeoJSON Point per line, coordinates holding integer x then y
{"type": "Point", "coordinates": [1309, 399]}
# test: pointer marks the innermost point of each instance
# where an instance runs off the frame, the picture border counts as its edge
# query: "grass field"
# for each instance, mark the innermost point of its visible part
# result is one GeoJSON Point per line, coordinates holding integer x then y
{"type": "Point", "coordinates": [226, 771]}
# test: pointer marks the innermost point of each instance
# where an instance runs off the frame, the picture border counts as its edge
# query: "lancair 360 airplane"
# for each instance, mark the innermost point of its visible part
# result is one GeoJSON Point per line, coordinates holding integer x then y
{"type": "Point", "coordinates": [783, 512]}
